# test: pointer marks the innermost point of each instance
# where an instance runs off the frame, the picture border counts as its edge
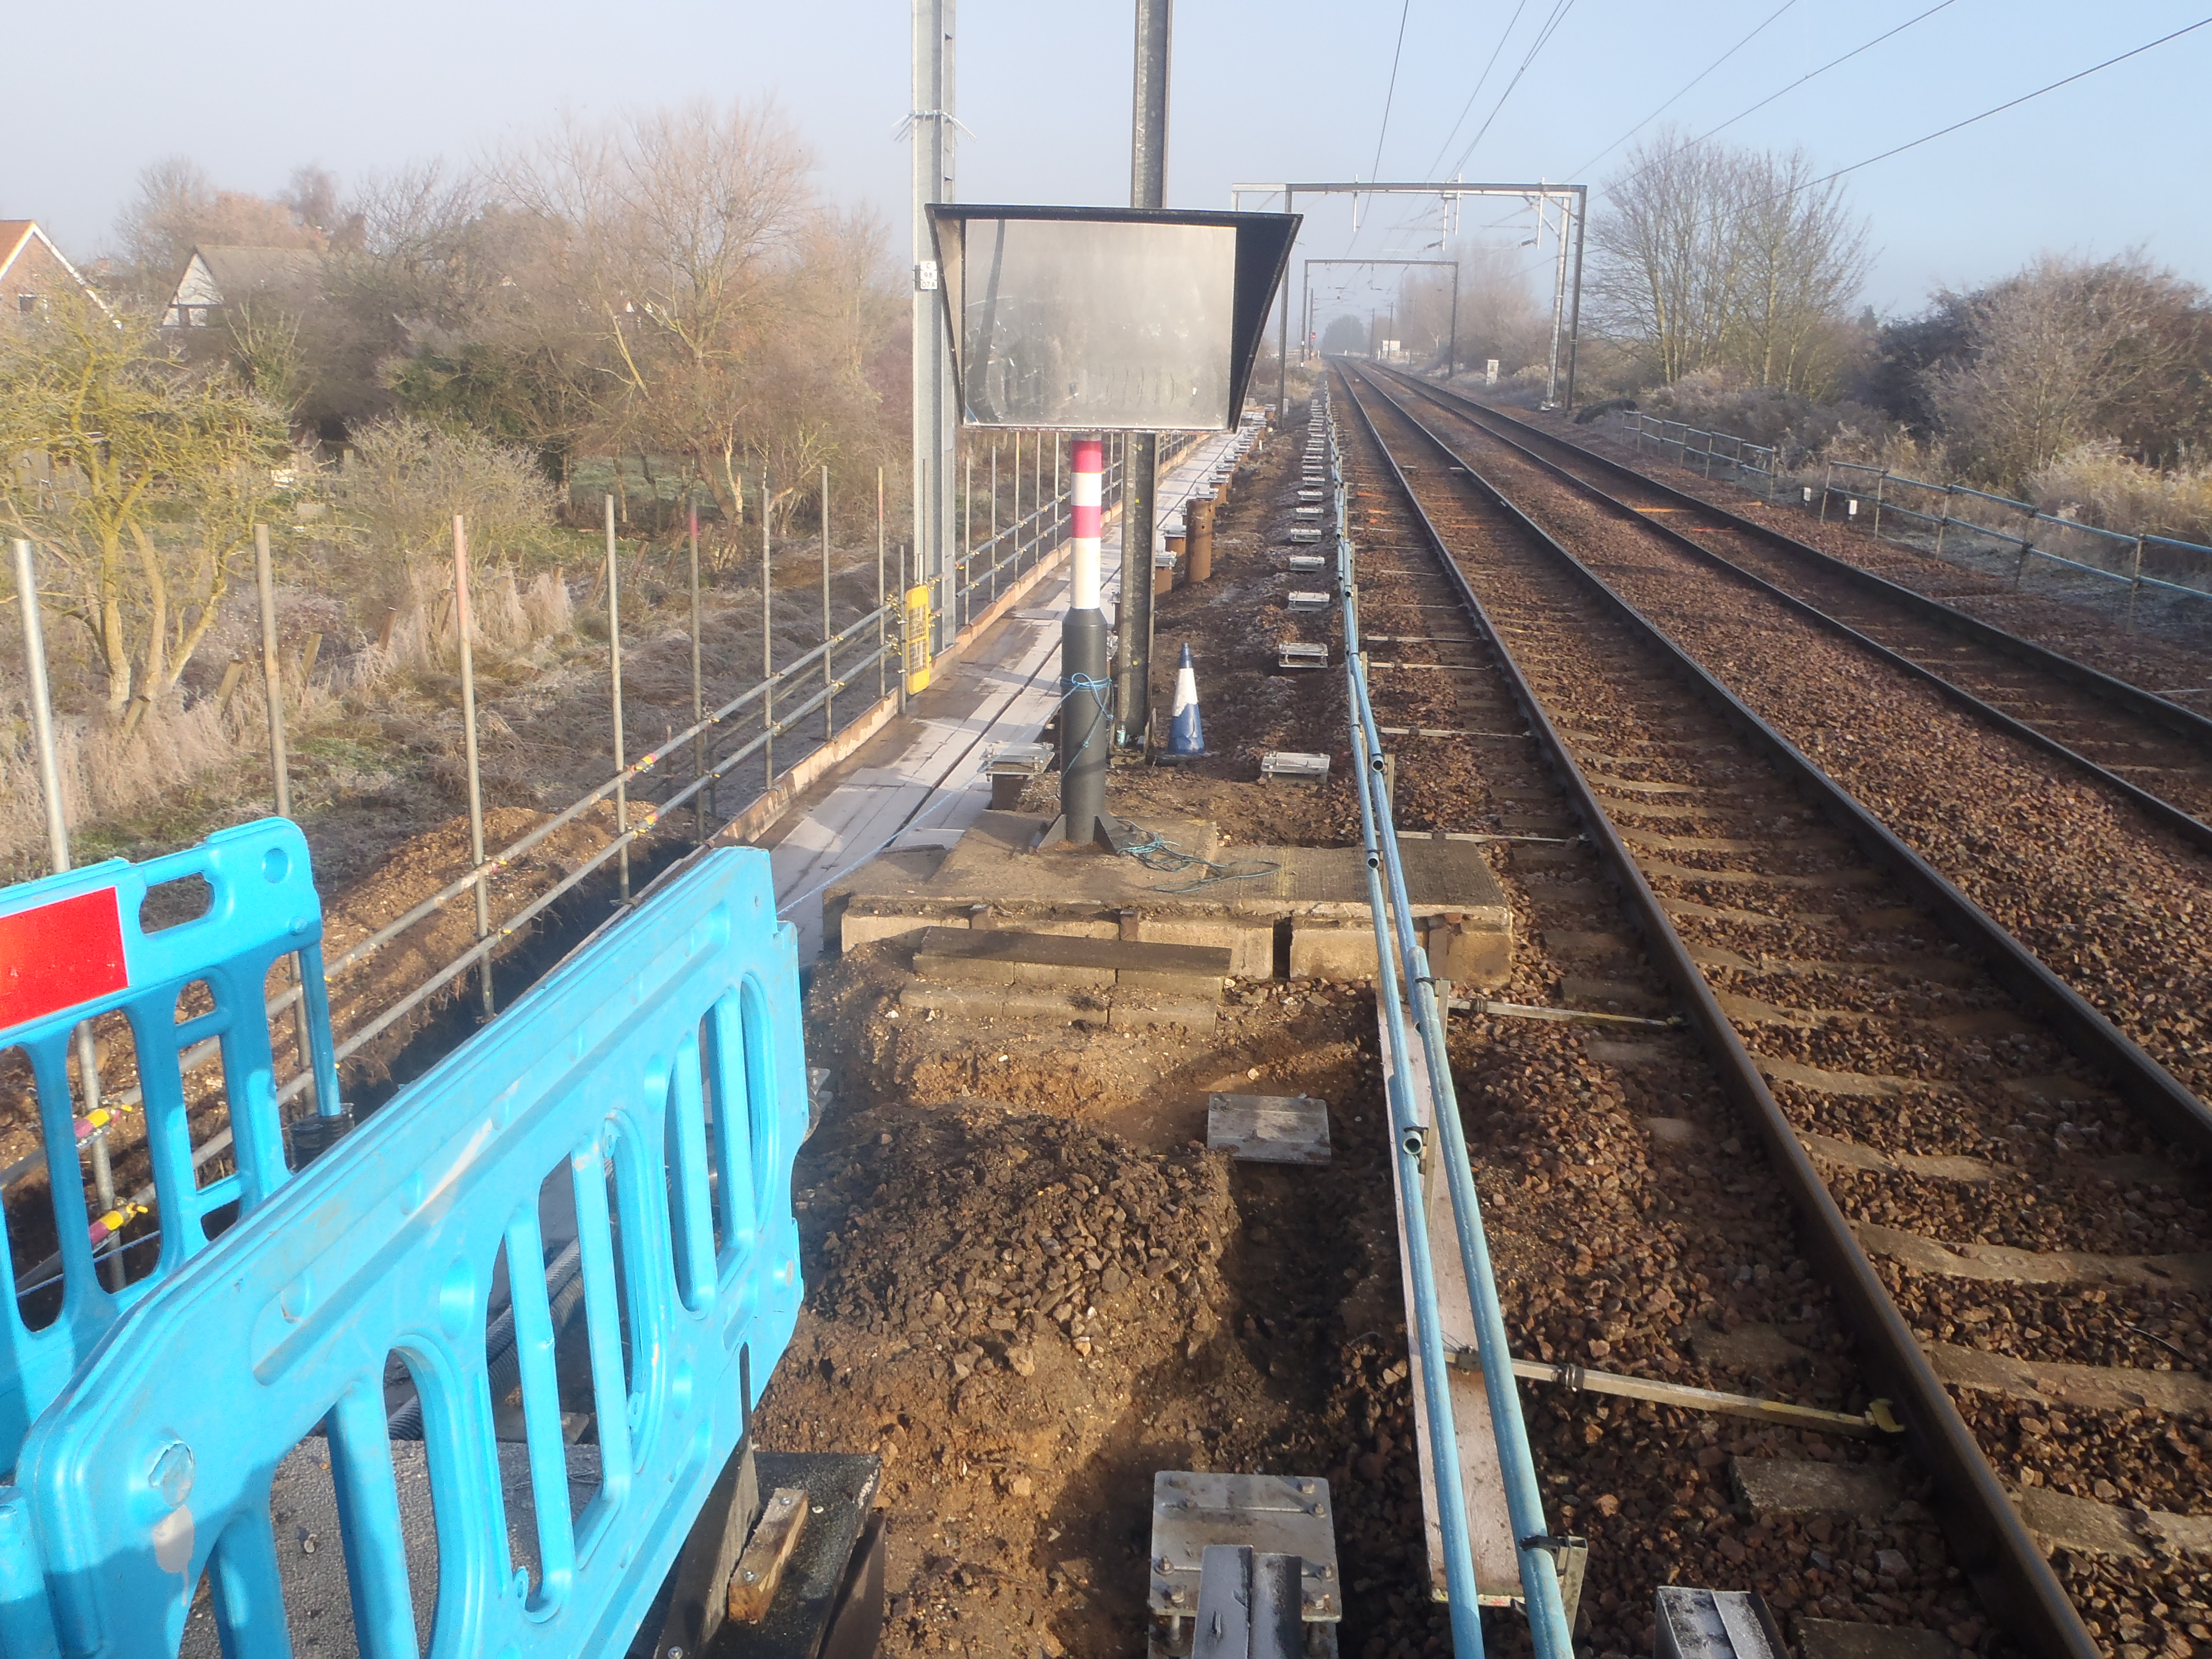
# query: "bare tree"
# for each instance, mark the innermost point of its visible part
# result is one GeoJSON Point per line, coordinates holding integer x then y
{"type": "Point", "coordinates": [1709, 257]}
{"type": "Point", "coordinates": [1499, 314]}
{"type": "Point", "coordinates": [680, 227]}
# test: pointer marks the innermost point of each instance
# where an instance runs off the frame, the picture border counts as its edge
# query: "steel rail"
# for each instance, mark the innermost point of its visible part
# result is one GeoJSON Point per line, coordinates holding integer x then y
{"type": "Point", "coordinates": [2162, 811]}
{"type": "Point", "coordinates": [1985, 1532]}
{"type": "Point", "coordinates": [2147, 705]}
{"type": "Point", "coordinates": [2147, 1084]}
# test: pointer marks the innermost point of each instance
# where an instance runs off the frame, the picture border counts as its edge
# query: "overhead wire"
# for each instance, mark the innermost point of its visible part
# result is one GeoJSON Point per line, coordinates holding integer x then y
{"type": "Point", "coordinates": [1467, 108]}
{"type": "Point", "coordinates": [1374, 171]}
{"type": "Point", "coordinates": [1403, 11]}
{"type": "Point", "coordinates": [1544, 33]}
{"type": "Point", "coordinates": [1683, 90]}
{"type": "Point", "coordinates": [1997, 109]}
{"type": "Point", "coordinates": [1752, 109]}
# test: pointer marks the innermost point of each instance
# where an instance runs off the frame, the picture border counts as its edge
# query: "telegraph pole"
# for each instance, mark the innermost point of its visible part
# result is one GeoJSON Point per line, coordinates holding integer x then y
{"type": "Point", "coordinates": [1148, 174]}
{"type": "Point", "coordinates": [931, 119]}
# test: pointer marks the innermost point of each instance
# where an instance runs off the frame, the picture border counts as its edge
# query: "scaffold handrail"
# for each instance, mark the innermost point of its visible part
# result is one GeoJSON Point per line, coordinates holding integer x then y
{"type": "Point", "coordinates": [1533, 1547]}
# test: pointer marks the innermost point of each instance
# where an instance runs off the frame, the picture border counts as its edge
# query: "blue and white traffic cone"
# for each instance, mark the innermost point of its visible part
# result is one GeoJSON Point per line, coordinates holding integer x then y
{"type": "Point", "coordinates": [1186, 736]}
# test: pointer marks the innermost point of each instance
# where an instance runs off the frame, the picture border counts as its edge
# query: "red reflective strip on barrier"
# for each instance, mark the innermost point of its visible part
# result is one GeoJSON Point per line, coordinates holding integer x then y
{"type": "Point", "coordinates": [60, 954]}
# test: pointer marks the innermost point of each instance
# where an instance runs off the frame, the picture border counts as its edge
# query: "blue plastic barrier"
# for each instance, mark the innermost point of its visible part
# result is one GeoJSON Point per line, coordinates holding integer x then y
{"type": "Point", "coordinates": [71, 948]}
{"type": "Point", "coordinates": [661, 1069]}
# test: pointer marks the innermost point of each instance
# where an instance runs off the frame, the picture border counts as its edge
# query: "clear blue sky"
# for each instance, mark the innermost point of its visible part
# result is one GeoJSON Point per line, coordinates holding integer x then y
{"type": "Point", "coordinates": [1289, 88]}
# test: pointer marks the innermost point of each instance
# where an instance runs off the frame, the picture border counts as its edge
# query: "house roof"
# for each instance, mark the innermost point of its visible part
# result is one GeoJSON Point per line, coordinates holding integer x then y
{"type": "Point", "coordinates": [16, 234]}
{"type": "Point", "coordinates": [243, 274]}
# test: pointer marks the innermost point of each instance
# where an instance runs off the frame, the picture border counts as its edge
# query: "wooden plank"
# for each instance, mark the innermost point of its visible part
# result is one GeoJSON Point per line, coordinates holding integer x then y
{"type": "Point", "coordinates": [1497, 1562]}
{"type": "Point", "coordinates": [1072, 951]}
{"type": "Point", "coordinates": [760, 1569]}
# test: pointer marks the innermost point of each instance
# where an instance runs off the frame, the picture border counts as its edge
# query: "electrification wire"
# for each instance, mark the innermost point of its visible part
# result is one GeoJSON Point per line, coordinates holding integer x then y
{"type": "Point", "coordinates": [1863, 45]}
{"type": "Point", "coordinates": [1683, 91]}
{"type": "Point", "coordinates": [1551, 25]}
{"type": "Point", "coordinates": [1479, 81]}
{"type": "Point", "coordinates": [1403, 11]}
{"type": "Point", "coordinates": [1999, 109]}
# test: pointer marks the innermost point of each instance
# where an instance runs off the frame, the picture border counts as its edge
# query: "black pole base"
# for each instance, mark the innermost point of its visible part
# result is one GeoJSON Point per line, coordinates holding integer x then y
{"type": "Point", "coordinates": [1106, 836]}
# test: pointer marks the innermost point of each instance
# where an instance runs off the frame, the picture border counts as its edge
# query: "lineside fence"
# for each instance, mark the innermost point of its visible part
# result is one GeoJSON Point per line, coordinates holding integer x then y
{"type": "Point", "coordinates": [1968, 527]}
{"type": "Point", "coordinates": [823, 702]}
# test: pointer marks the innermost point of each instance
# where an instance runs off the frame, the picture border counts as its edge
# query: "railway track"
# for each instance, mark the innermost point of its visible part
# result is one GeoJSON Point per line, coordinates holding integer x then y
{"type": "Point", "coordinates": [2110, 897]}
{"type": "Point", "coordinates": [1993, 1186]}
{"type": "Point", "coordinates": [2153, 751]}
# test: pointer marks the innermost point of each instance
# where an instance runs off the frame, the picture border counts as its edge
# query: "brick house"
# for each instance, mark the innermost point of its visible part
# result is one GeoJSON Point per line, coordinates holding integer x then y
{"type": "Point", "coordinates": [33, 270]}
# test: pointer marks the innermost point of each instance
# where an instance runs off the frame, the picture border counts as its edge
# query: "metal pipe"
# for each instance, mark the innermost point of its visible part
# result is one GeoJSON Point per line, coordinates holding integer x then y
{"type": "Point", "coordinates": [934, 430]}
{"type": "Point", "coordinates": [1409, 1143]}
{"type": "Point", "coordinates": [703, 804]}
{"type": "Point", "coordinates": [829, 678]}
{"type": "Point", "coordinates": [882, 682]}
{"type": "Point", "coordinates": [1148, 178]}
{"type": "Point", "coordinates": [1575, 315]}
{"type": "Point", "coordinates": [271, 683]}
{"type": "Point", "coordinates": [1548, 1627]}
{"type": "Point", "coordinates": [42, 714]}
{"type": "Point", "coordinates": [767, 645]}
{"type": "Point", "coordinates": [615, 702]}
{"type": "Point", "coordinates": [1283, 347]}
{"type": "Point", "coordinates": [463, 625]}
{"type": "Point", "coordinates": [41, 695]}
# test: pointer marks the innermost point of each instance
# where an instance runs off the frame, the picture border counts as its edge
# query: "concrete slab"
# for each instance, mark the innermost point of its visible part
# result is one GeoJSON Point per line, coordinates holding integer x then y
{"type": "Point", "coordinates": [1268, 1129]}
{"type": "Point", "coordinates": [1319, 892]}
{"type": "Point", "coordinates": [1794, 1486]}
{"type": "Point", "coordinates": [1838, 1638]}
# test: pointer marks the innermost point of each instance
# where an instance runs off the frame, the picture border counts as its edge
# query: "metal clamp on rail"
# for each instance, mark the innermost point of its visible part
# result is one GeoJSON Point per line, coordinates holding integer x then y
{"type": "Point", "coordinates": [646, 1097]}
{"type": "Point", "coordinates": [74, 947]}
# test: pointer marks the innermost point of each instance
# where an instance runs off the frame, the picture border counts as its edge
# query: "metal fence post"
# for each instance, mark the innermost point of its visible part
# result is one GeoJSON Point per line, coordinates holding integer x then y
{"type": "Point", "coordinates": [271, 680]}
{"type": "Point", "coordinates": [828, 680]}
{"type": "Point", "coordinates": [768, 649]}
{"type": "Point", "coordinates": [882, 668]}
{"type": "Point", "coordinates": [967, 538]}
{"type": "Point", "coordinates": [1942, 521]}
{"type": "Point", "coordinates": [994, 521]}
{"type": "Point", "coordinates": [463, 626]}
{"type": "Point", "coordinates": [1828, 477]}
{"type": "Point", "coordinates": [2134, 583]}
{"type": "Point", "coordinates": [702, 803]}
{"type": "Point", "coordinates": [1880, 479]}
{"type": "Point", "coordinates": [58, 851]}
{"type": "Point", "coordinates": [615, 700]}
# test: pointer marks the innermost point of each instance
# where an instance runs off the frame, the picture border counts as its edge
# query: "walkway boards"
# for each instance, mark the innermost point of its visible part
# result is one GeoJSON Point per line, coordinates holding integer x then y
{"type": "Point", "coordinates": [919, 782]}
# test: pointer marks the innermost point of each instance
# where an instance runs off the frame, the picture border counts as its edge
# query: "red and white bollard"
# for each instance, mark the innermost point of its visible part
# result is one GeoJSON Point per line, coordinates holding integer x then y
{"type": "Point", "coordinates": [1087, 688]}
